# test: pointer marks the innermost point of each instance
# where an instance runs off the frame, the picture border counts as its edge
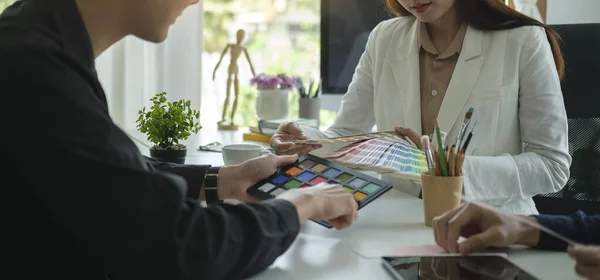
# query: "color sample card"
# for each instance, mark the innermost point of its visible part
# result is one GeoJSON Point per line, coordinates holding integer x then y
{"type": "Point", "coordinates": [386, 154]}
{"type": "Point", "coordinates": [311, 170]}
{"type": "Point", "coordinates": [343, 139]}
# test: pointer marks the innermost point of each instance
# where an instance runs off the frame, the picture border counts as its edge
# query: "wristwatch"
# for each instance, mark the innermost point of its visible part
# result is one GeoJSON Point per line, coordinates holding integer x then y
{"type": "Point", "coordinates": [210, 185]}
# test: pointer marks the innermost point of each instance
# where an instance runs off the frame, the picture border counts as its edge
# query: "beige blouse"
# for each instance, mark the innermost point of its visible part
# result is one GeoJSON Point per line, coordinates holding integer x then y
{"type": "Point", "coordinates": [436, 70]}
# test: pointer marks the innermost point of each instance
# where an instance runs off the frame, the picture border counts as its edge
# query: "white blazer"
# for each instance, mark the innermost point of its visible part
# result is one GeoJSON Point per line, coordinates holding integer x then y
{"type": "Point", "coordinates": [520, 144]}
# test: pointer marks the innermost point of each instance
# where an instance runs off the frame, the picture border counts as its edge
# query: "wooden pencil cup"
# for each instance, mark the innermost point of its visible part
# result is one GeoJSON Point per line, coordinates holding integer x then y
{"type": "Point", "coordinates": [440, 194]}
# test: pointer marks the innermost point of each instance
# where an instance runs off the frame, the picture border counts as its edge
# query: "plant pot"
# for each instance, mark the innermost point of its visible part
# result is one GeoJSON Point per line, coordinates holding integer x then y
{"type": "Point", "coordinates": [309, 108]}
{"type": "Point", "coordinates": [272, 104]}
{"type": "Point", "coordinates": [172, 156]}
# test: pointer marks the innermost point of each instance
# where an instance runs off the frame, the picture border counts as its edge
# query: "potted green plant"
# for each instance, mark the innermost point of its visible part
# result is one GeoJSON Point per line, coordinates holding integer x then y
{"type": "Point", "coordinates": [167, 123]}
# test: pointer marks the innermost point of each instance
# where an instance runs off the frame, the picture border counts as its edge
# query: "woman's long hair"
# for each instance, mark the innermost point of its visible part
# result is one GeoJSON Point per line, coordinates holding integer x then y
{"type": "Point", "coordinates": [495, 15]}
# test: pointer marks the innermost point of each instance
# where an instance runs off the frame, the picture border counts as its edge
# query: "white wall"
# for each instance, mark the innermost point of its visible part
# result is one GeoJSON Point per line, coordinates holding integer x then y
{"type": "Point", "coordinates": [132, 71]}
{"type": "Point", "coordinates": [573, 11]}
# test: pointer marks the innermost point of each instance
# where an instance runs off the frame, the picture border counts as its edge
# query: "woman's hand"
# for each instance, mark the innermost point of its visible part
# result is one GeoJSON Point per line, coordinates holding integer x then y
{"type": "Point", "coordinates": [410, 134]}
{"type": "Point", "coordinates": [587, 261]}
{"type": "Point", "coordinates": [287, 132]}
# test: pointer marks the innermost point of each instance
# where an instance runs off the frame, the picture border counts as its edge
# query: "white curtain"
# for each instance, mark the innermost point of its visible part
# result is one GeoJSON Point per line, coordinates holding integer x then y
{"type": "Point", "coordinates": [529, 8]}
{"type": "Point", "coordinates": [132, 71]}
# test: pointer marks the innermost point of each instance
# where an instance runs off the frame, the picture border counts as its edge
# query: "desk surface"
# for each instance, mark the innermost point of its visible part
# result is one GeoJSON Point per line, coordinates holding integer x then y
{"type": "Point", "coordinates": [395, 219]}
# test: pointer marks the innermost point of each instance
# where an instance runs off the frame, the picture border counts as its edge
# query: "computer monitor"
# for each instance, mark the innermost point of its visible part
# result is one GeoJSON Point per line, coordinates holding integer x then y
{"type": "Point", "coordinates": [345, 28]}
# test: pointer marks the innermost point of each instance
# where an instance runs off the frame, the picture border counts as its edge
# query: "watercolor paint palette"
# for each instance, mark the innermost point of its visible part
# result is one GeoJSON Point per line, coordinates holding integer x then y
{"type": "Point", "coordinates": [385, 155]}
{"type": "Point", "coordinates": [311, 170]}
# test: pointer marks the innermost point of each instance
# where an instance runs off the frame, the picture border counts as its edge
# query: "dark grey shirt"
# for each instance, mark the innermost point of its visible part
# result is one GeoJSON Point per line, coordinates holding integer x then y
{"type": "Point", "coordinates": [79, 201]}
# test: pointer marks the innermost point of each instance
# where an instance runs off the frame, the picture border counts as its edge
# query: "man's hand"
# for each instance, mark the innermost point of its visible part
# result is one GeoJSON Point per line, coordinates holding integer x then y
{"type": "Point", "coordinates": [587, 261]}
{"type": "Point", "coordinates": [235, 180]}
{"type": "Point", "coordinates": [482, 227]}
{"type": "Point", "coordinates": [287, 132]}
{"type": "Point", "coordinates": [410, 134]}
{"type": "Point", "coordinates": [327, 202]}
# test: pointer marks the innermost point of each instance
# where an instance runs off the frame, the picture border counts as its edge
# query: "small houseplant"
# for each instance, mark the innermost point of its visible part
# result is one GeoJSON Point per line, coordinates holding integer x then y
{"type": "Point", "coordinates": [272, 98]}
{"type": "Point", "coordinates": [166, 123]}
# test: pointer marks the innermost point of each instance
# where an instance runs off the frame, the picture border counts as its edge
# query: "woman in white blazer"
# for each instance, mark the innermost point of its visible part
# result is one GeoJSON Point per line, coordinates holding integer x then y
{"type": "Point", "coordinates": [508, 68]}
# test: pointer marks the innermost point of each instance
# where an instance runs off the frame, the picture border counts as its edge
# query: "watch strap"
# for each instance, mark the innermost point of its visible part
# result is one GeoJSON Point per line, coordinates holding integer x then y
{"type": "Point", "coordinates": [210, 185]}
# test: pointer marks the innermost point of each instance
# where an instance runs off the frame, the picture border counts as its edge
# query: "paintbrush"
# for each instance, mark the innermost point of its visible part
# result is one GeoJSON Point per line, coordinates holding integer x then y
{"type": "Point", "coordinates": [463, 128]}
{"type": "Point", "coordinates": [427, 149]}
{"type": "Point", "coordinates": [466, 145]}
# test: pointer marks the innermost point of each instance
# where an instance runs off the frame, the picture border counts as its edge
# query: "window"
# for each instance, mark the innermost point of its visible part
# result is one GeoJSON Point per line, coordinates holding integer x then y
{"type": "Point", "coordinates": [282, 36]}
{"type": "Point", "coordinates": [4, 4]}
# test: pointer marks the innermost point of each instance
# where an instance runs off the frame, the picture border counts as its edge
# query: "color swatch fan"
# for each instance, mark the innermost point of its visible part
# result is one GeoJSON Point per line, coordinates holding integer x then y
{"type": "Point", "coordinates": [385, 155]}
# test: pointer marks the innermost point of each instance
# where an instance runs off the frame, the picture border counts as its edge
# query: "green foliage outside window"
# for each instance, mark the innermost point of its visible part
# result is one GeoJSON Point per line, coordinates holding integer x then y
{"type": "Point", "coordinates": [4, 4]}
{"type": "Point", "coordinates": [297, 60]}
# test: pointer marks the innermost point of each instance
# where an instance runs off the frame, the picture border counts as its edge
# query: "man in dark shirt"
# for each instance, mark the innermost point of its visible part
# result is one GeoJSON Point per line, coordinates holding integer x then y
{"type": "Point", "coordinates": [484, 227]}
{"type": "Point", "coordinates": [78, 199]}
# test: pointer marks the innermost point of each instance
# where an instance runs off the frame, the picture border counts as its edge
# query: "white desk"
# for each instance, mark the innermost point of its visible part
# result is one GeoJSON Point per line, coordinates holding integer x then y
{"type": "Point", "coordinates": [395, 219]}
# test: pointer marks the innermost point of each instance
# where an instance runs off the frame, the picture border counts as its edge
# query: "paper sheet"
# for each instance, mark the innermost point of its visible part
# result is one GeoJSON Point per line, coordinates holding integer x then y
{"type": "Point", "coordinates": [429, 250]}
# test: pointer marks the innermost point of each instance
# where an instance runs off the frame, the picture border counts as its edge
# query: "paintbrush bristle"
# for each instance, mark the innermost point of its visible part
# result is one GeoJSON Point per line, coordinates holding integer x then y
{"type": "Point", "coordinates": [425, 142]}
{"type": "Point", "coordinates": [469, 113]}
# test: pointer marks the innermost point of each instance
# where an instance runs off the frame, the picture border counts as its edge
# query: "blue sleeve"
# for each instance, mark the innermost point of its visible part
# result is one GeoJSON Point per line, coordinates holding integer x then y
{"type": "Point", "coordinates": [578, 227]}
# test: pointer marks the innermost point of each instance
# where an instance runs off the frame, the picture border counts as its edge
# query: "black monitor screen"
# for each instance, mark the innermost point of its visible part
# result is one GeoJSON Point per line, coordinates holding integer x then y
{"type": "Point", "coordinates": [345, 28]}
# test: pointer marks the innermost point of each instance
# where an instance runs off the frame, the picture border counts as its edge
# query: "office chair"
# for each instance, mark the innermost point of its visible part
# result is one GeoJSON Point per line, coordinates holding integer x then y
{"type": "Point", "coordinates": [581, 93]}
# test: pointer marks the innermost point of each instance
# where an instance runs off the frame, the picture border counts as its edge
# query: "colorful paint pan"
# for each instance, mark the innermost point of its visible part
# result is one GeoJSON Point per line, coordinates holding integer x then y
{"type": "Point", "coordinates": [371, 188]}
{"type": "Point", "coordinates": [319, 168]}
{"type": "Point", "coordinates": [357, 183]}
{"type": "Point", "coordinates": [294, 171]}
{"type": "Point", "coordinates": [318, 180]}
{"type": "Point", "coordinates": [332, 172]}
{"type": "Point", "coordinates": [306, 176]}
{"type": "Point", "coordinates": [280, 179]}
{"type": "Point", "coordinates": [307, 163]}
{"type": "Point", "coordinates": [310, 170]}
{"type": "Point", "coordinates": [292, 184]}
{"type": "Point", "coordinates": [360, 195]}
{"type": "Point", "coordinates": [344, 177]}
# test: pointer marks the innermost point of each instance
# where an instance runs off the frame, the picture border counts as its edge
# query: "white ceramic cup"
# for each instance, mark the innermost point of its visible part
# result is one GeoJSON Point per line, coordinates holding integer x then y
{"type": "Point", "coordinates": [239, 153]}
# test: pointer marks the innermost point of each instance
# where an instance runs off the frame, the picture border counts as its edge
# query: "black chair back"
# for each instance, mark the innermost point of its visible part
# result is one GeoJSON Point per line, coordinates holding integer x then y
{"type": "Point", "coordinates": [581, 92]}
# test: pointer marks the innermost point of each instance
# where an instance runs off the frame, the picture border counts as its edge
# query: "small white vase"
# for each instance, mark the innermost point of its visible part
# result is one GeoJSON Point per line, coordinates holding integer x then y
{"type": "Point", "coordinates": [272, 104]}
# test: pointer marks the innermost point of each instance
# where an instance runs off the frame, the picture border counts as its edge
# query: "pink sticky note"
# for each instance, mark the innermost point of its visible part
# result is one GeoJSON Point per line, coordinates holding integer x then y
{"type": "Point", "coordinates": [417, 250]}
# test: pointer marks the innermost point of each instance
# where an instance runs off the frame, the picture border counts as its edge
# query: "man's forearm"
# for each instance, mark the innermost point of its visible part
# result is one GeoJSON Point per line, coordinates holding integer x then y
{"type": "Point", "coordinates": [578, 227]}
{"type": "Point", "coordinates": [193, 175]}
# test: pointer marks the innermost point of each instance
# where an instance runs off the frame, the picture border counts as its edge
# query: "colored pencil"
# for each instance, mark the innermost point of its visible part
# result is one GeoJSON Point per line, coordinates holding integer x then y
{"type": "Point", "coordinates": [452, 161]}
{"type": "Point", "coordinates": [437, 166]}
{"type": "Point", "coordinates": [459, 163]}
{"type": "Point", "coordinates": [441, 150]}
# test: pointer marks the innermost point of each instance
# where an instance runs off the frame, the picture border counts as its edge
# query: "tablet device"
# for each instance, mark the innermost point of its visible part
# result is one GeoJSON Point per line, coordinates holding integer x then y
{"type": "Point", "coordinates": [454, 268]}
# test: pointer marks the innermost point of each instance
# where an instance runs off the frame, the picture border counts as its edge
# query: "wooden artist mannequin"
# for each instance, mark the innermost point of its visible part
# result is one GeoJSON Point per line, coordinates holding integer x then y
{"type": "Point", "coordinates": [232, 76]}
